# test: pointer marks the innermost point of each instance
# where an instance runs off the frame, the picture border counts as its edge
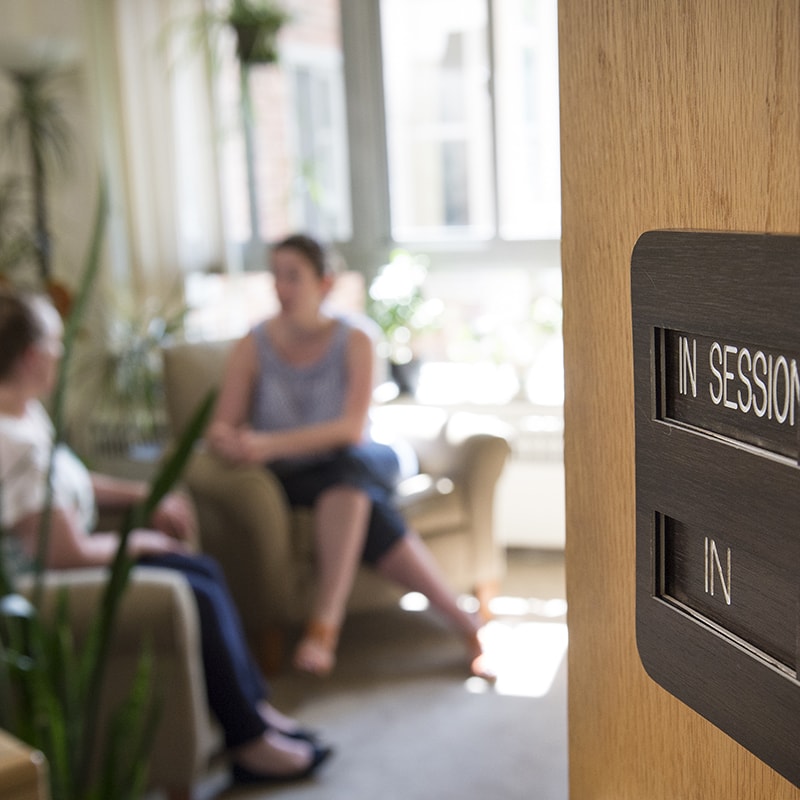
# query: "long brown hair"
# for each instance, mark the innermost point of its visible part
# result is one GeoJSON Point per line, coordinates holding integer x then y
{"type": "Point", "coordinates": [20, 327]}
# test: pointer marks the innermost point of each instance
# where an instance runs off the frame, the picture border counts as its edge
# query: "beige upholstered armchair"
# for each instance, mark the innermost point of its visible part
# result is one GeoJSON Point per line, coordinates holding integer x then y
{"type": "Point", "coordinates": [23, 771]}
{"type": "Point", "coordinates": [265, 549]}
{"type": "Point", "coordinates": [158, 610]}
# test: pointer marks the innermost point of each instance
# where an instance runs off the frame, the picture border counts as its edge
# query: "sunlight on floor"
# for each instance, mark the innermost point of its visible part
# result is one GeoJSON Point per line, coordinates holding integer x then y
{"type": "Point", "coordinates": [526, 655]}
{"type": "Point", "coordinates": [525, 642]}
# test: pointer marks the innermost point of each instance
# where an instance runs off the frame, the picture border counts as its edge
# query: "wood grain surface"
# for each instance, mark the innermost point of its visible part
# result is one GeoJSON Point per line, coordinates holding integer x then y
{"type": "Point", "coordinates": [674, 114]}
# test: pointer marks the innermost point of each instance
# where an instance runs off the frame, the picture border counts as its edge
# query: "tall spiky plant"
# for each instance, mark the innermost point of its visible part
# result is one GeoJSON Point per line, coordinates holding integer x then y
{"type": "Point", "coordinates": [48, 682]}
{"type": "Point", "coordinates": [38, 119]}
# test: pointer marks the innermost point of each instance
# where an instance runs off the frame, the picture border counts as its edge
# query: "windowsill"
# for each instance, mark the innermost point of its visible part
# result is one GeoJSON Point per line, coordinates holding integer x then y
{"type": "Point", "coordinates": [529, 504]}
{"type": "Point", "coordinates": [489, 387]}
{"type": "Point", "coordinates": [536, 429]}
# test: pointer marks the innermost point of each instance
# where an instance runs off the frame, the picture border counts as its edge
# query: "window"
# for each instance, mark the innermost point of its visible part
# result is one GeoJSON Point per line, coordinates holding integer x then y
{"type": "Point", "coordinates": [321, 183]}
{"type": "Point", "coordinates": [283, 154]}
{"type": "Point", "coordinates": [446, 147]}
{"type": "Point", "coordinates": [526, 103]}
{"type": "Point", "coordinates": [471, 102]}
{"type": "Point", "coordinates": [468, 105]}
{"type": "Point", "coordinates": [436, 79]}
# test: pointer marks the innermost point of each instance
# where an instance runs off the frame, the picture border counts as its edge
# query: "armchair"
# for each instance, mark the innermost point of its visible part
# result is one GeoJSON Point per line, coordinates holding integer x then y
{"type": "Point", "coordinates": [266, 549]}
{"type": "Point", "coordinates": [158, 608]}
{"type": "Point", "coordinates": [23, 774]}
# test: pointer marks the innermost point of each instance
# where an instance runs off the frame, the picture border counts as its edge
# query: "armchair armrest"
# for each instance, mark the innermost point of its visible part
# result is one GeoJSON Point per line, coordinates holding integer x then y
{"type": "Point", "coordinates": [462, 455]}
{"type": "Point", "coordinates": [245, 525]}
{"type": "Point", "coordinates": [158, 611]}
{"type": "Point", "coordinates": [23, 772]}
{"type": "Point", "coordinates": [482, 448]}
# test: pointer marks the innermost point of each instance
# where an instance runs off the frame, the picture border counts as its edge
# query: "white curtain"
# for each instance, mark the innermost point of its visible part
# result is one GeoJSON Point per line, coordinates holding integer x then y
{"type": "Point", "coordinates": [159, 140]}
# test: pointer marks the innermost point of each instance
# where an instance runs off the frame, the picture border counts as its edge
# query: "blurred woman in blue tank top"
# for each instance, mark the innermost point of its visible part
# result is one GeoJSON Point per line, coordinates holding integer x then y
{"type": "Point", "coordinates": [296, 397]}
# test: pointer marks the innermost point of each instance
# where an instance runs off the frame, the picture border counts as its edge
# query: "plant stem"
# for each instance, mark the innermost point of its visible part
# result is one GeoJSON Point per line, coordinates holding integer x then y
{"type": "Point", "coordinates": [249, 145]}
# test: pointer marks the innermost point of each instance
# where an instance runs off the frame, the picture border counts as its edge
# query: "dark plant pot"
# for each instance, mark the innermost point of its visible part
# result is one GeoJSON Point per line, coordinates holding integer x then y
{"type": "Point", "coordinates": [256, 44]}
{"type": "Point", "coordinates": [406, 376]}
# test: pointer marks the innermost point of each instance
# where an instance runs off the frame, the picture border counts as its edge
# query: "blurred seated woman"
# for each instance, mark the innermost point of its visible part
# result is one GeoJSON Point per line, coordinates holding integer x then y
{"type": "Point", "coordinates": [295, 397]}
{"type": "Point", "coordinates": [264, 745]}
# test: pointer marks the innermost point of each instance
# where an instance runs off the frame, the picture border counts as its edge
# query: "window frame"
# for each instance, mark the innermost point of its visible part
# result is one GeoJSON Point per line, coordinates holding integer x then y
{"type": "Point", "coordinates": [372, 239]}
{"type": "Point", "coordinates": [324, 73]}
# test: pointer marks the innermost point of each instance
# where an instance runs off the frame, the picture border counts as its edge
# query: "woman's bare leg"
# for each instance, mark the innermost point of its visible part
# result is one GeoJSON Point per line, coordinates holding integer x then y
{"type": "Point", "coordinates": [341, 516]}
{"type": "Point", "coordinates": [413, 566]}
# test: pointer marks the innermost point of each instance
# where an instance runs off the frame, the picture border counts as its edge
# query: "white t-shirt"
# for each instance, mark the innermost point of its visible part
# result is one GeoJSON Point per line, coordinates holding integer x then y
{"type": "Point", "coordinates": [26, 445]}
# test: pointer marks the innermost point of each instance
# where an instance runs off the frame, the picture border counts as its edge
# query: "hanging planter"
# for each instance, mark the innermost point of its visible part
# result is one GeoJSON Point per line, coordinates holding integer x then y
{"type": "Point", "coordinates": [257, 25]}
{"type": "Point", "coordinates": [256, 45]}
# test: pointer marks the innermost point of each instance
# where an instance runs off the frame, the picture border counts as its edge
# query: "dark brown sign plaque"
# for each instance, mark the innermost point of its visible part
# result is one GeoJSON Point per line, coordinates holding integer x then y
{"type": "Point", "coordinates": [716, 352]}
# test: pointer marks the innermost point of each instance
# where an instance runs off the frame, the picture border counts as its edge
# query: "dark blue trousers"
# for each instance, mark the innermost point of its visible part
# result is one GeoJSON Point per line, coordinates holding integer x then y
{"type": "Point", "coordinates": [371, 467]}
{"type": "Point", "coordinates": [234, 683]}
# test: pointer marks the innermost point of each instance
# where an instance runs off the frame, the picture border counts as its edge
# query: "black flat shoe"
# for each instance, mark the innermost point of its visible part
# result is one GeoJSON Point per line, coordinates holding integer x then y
{"type": "Point", "coordinates": [242, 776]}
{"type": "Point", "coordinates": [303, 734]}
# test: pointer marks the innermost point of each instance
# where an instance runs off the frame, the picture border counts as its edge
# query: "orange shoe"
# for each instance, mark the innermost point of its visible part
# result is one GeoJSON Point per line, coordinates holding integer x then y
{"type": "Point", "coordinates": [316, 652]}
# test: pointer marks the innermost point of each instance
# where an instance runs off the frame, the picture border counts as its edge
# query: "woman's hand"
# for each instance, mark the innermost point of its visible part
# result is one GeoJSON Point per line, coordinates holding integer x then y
{"type": "Point", "coordinates": [144, 542]}
{"type": "Point", "coordinates": [254, 446]}
{"type": "Point", "coordinates": [239, 445]}
{"type": "Point", "coordinates": [223, 439]}
{"type": "Point", "coordinates": [175, 516]}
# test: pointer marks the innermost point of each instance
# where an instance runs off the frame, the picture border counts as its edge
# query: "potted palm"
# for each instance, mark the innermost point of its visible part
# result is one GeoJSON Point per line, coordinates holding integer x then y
{"type": "Point", "coordinates": [37, 121]}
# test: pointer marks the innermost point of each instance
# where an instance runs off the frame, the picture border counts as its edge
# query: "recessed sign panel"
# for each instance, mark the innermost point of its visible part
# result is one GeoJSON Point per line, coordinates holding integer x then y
{"type": "Point", "coordinates": [746, 391]}
{"type": "Point", "coordinates": [716, 345]}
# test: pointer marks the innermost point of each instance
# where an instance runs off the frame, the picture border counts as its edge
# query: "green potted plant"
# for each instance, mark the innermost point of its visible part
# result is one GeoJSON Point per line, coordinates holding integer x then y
{"type": "Point", "coordinates": [256, 24]}
{"type": "Point", "coordinates": [36, 121]}
{"type": "Point", "coordinates": [129, 418]}
{"type": "Point", "coordinates": [397, 303]}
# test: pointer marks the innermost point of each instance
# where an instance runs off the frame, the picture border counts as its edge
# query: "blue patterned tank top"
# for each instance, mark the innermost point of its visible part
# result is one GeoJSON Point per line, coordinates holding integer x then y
{"type": "Point", "coordinates": [288, 396]}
